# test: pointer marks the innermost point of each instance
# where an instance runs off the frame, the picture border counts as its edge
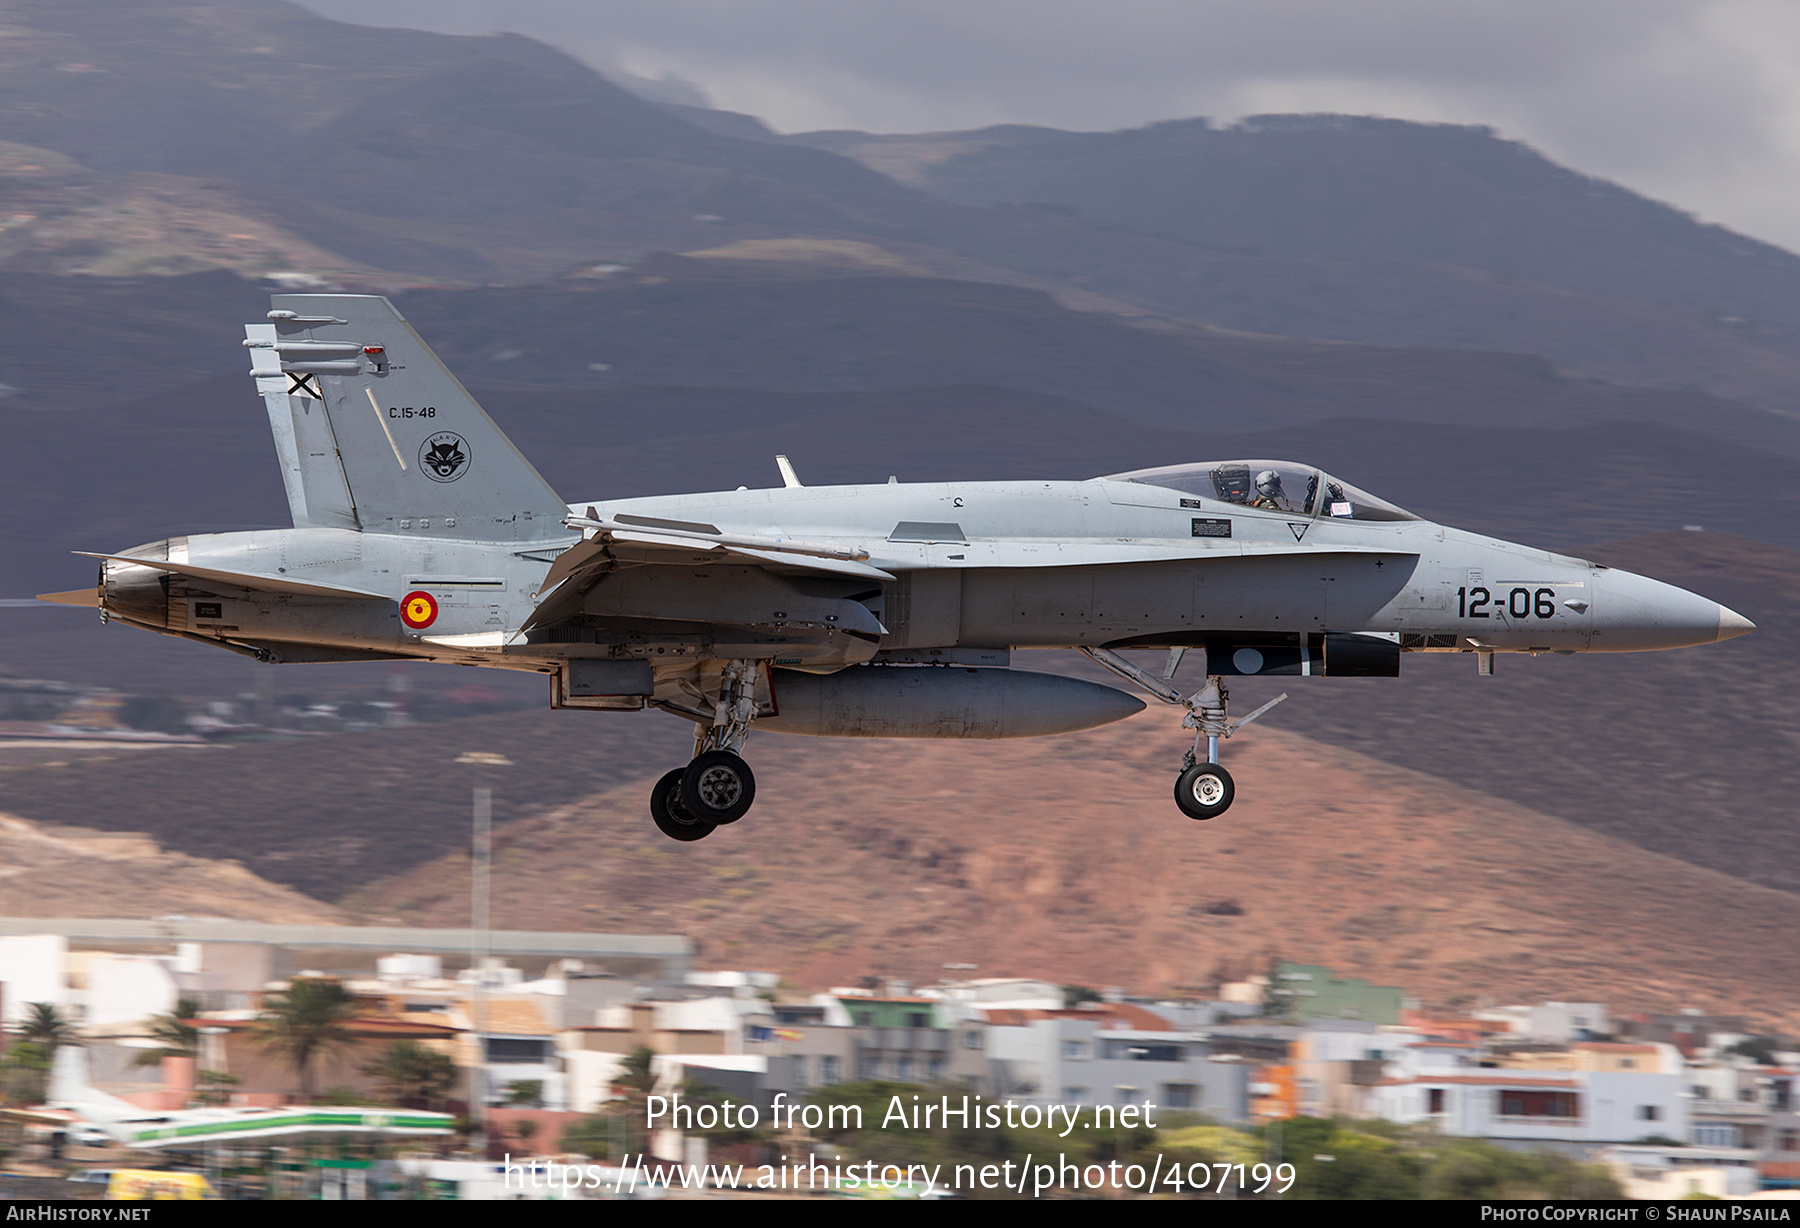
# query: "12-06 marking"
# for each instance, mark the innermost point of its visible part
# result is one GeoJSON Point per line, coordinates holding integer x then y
{"type": "Point", "coordinates": [1520, 603]}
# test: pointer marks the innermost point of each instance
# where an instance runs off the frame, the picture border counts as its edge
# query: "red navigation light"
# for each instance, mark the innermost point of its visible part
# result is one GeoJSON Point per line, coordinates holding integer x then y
{"type": "Point", "coordinates": [371, 349]}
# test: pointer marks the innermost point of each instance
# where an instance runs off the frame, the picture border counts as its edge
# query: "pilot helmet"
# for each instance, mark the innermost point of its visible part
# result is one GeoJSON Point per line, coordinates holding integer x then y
{"type": "Point", "coordinates": [1268, 484]}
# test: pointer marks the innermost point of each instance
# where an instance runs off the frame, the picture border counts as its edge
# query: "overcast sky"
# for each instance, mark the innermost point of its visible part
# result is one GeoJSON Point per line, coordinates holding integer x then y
{"type": "Point", "coordinates": [1695, 102]}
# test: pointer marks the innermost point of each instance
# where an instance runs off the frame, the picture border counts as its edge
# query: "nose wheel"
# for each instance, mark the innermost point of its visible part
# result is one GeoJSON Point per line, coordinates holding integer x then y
{"type": "Point", "coordinates": [1204, 790]}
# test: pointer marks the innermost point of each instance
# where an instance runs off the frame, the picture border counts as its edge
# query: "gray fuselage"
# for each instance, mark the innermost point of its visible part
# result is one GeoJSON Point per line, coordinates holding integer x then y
{"type": "Point", "coordinates": [989, 566]}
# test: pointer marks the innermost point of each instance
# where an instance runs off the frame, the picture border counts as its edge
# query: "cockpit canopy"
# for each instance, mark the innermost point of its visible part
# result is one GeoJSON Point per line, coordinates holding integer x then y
{"type": "Point", "coordinates": [1269, 485]}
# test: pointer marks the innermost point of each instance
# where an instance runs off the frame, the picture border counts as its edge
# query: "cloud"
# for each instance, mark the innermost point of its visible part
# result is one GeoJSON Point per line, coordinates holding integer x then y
{"type": "Point", "coordinates": [1696, 102]}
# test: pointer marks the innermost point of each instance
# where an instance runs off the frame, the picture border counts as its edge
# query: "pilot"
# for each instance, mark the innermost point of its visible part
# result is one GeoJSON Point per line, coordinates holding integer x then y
{"type": "Point", "coordinates": [1268, 491]}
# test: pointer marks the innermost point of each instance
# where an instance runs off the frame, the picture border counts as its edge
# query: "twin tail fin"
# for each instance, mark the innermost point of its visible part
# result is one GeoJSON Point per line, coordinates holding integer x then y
{"type": "Point", "coordinates": [375, 434]}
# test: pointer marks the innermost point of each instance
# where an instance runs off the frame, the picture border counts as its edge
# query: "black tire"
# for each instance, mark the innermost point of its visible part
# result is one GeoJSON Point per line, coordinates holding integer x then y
{"type": "Point", "coordinates": [1204, 791]}
{"type": "Point", "coordinates": [672, 818]}
{"type": "Point", "coordinates": [718, 787]}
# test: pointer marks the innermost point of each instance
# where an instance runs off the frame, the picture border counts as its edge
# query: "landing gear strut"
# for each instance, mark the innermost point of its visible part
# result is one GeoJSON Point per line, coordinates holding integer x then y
{"type": "Point", "coordinates": [716, 787]}
{"type": "Point", "coordinates": [1204, 790]}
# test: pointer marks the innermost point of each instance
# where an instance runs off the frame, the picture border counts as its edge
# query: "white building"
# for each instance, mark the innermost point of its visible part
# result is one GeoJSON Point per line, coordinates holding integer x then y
{"type": "Point", "coordinates": [1000, 993]}
{"type": "Point", "coordinates": [1096, 1057]}
{"type": "Point", "coordinates": [1556, 1022]}
{"type": "Point", "coordinates": [33, 968]}
{"type": "Point", "coordinates": [1575, 1106]}
{"type": "Point", "coordinates": [122, 989]}
{"type": "Point", "coordinates": [1682, 1172]}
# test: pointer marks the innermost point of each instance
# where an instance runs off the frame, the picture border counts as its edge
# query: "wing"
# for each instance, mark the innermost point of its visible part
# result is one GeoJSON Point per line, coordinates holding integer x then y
{"type": "Point", "coordinates": [644, 540]}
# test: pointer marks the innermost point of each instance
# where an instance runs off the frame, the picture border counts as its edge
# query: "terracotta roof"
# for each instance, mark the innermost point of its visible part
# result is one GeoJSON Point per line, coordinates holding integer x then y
{"type": "Point", "coordinates": [401, 1029]}
{"type": "Point", "coordinates": [1112, 1016]}
{"type": "Point", "coordinates": [380, 1026]}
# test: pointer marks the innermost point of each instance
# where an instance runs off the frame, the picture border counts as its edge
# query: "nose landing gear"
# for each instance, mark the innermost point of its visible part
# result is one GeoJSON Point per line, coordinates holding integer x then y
{"type": "Point", "coordinates": [1204, 790]}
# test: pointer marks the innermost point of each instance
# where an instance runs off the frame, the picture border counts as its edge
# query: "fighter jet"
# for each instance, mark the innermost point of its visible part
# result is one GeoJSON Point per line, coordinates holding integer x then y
{"type": "Point", "coordinates": [421, 533]}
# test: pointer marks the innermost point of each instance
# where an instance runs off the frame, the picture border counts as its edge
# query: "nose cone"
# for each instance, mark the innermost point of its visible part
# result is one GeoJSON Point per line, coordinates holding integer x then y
{"type": "Point", "coordinates": [1732, 624]}
{"type": "Point", "coordinates": [1638, 614]}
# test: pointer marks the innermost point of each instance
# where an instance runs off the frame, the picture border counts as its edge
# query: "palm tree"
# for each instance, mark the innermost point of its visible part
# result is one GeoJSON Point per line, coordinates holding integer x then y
{"type": "Point", "coordinates": [309, 1018]}
{"type": "Point", "coordinates": [635, 1074]}
{"type": "Point", "coordinates": [179, 1037]}
{"type": "Point", "coordinates": [413, 1076]}
{"type": "Point", "coordinates": [45, 1026]}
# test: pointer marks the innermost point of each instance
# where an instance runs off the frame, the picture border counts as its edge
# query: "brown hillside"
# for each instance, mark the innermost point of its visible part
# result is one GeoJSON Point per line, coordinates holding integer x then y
{"type": "Point", "coordinates": [48, 871]}
{"type": "Point", "coordinates": [1065, 858]}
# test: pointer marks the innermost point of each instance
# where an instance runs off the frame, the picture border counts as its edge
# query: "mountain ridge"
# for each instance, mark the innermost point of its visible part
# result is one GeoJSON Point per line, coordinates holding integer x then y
{"type": "Point", "coordinates": [402, 158]}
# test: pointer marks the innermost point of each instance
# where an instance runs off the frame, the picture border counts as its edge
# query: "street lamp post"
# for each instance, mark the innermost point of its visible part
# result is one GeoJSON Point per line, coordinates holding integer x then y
{"type": "Point", "coordinates": [480, 917]}
{"type": "Point", "coordinates": [481, 860]}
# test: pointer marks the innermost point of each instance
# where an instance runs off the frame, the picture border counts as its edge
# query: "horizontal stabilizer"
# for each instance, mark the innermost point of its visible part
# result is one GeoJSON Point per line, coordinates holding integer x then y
{"type": "Point", "coordinates": [89, 597]}
{"type": "Point", "coordinates": [246, 579]}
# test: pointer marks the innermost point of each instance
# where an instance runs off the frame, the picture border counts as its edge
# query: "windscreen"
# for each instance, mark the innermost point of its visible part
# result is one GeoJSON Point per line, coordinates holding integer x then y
{"type": "Point", "coordinates": [1345, 502]}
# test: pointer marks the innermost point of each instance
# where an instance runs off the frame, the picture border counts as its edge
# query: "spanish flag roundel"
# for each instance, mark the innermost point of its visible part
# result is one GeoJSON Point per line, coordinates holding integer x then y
{"type": "Point", "coordinates": [418, 610]}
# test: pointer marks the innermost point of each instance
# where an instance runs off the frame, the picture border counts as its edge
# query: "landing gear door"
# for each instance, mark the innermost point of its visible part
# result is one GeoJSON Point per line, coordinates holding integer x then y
{"type": "Point", "coordinates": [610, 685]}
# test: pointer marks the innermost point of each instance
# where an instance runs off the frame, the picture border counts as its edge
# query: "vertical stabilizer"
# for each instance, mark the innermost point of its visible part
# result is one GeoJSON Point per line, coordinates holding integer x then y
{"type": "Point", "coordinates": [70, 1085]}
{"type": "Point", "coordinates": [374, 432]}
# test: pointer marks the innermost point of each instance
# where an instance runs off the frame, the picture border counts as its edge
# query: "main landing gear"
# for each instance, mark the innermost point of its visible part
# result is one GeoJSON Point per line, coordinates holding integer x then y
{"type": "Point", "coordinates": [1204, 790]}
{"type": "Point", "coordinates": [713, 790]}
{"type": "Point", "coordinates": [716, 787]}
